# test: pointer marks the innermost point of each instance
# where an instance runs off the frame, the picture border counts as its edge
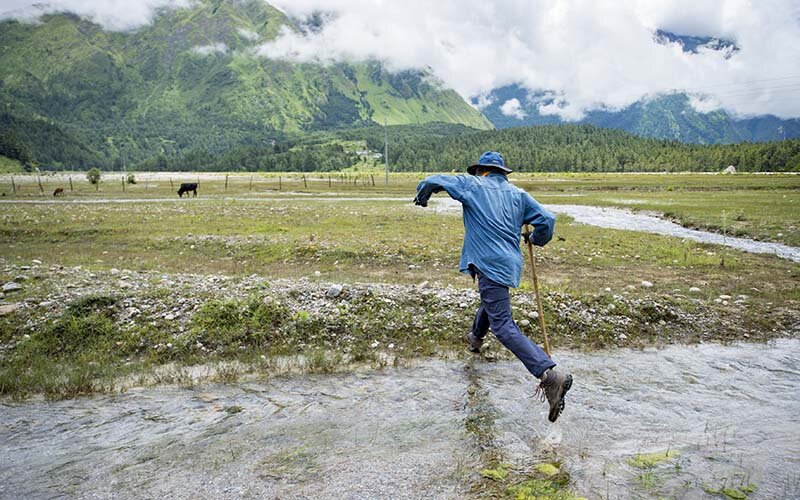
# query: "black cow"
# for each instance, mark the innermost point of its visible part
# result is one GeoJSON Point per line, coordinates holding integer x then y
{"type": "Point", "coordinates": [186, 187]}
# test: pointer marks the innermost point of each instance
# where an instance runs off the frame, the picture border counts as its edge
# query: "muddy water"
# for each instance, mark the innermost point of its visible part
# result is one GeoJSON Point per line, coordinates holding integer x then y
{"type": "Point", "coordinates": [733, 414]}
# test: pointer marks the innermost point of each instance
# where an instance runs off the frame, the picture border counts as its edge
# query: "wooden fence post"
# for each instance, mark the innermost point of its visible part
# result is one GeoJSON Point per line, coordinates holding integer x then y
{"type": "Point", "coordinates": [305, 185]}
{"type": "Point", "coordinates": [171, 186]}
{"type": "Point", "coordinates": [226, 182]}
{"type": "Point", "coordinates": [329, 181]}
{"type": "Point", "coordinates": [251, 183]}
{"type": "Point", "coordinates": [279, 183]}
{"type": "Point", "coordinates": [373, 179]}
{"type": "Point", "coordinates": [13, 186]}
{"type": "Point", "coordinates": [123, 183]}
{"type": "Point", "coordinates": [39, 180]}
{"type": "Point", "coordinates": [70, 183]}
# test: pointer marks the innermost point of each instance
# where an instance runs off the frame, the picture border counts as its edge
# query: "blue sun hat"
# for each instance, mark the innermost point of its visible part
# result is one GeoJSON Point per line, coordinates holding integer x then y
{"type": "Point", "coordinates": [490, 159]}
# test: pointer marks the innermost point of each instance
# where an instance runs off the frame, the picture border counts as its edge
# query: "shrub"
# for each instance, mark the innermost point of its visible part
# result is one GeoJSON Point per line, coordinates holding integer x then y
{"type": "Point", "coordinates": [93, 176]}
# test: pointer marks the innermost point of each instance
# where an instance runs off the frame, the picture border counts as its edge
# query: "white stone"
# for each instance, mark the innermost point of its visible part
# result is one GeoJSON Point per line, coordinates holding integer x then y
{"type": "Point", "coordinates": [646, 284]}
{"type": "Point", "coordinates": [694, 289]}
{"type": "Point", "coordinates": [169, 316]}
{"type": "Point", "coordinates": [317, 273]}
{"type": "Point", "coordinates": [725, 297]}
{"type": "Point", "coordinates": [36, 261]}
{"type": "Point", "coordinates": [7, 309]}
{"type": "Point", "coordinates": [462, 305]}
{"type": "Point", "coordinates": [11, 287]}
{"type": "Point", "coordinates": [334, 291]}
{"type": "Point", "coordinates": [533, 315]}
{"type": "Point", "coordinates": [524, 323]}
{"type": "Point", "coordinates": [114, 271]}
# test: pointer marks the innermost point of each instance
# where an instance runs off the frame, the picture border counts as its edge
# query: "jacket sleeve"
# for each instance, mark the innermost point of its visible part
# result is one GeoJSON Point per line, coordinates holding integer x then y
{"type": "Point", "coordinates": [456, 186]}
{"type": "Point", "coordinates": [543, 221]}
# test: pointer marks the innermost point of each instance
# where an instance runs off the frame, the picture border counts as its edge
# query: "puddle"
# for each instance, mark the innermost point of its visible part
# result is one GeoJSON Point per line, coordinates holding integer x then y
{"type": "Point", "coordinates": [732, 413]}
{"type": "Point", "coordinates": [618, 218]}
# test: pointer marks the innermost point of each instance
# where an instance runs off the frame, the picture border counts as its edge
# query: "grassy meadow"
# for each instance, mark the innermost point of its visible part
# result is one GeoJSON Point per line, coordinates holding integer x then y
{"type": "Point", "coordinates": [343, 229]}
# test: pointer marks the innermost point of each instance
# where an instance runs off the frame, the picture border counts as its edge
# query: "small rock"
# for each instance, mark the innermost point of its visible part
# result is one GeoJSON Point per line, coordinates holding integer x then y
{"type": "Point", "coordinates": [622, 336]}
{"type": "Point", "coordinates": [20, 277]}
{"type": "Point", "coordinates": [47, 303]}
{"type": "Point", "coordinates": [524, 323]}
{"type": "Point", "coordinates": [662, 322]}
{"type": "Point", "coordinates": [334, 291]}
{"type": "Point", "coordinates": [24, 268]}
{"type": "Point", "coordinates": [612, 307]}
{"type": "Point", "coordinates": [317, 273]}
{"type": "Point", "coordinates": [694, 289]}
{"type": "Point", "coordinates": [533, 315]}
{"type": "Point", "coordinates": [424, 284]}
{"type": "Point", "coordinates": [8, 309]}
{"type": "Point", "coordinates": [374, 344]}
{"type": "Point", "coordinates": [646, 284]}
{"type": "Point", "coordinates": [725, 297]}
{"type": "Point", "coordinates": [36, 261]}
{"type": "Point", "coordinates": [607, 289]}
{"type": "Point", "coordinates": [114, 271]}
{"type": "Point", "coordinates": [412, 266]}
{"type": "Point", "coordinates": [11, 287]}
{"type": "Point", "coordinates": [169, 316]}
{"type": "Point", "coordinates": [462, 305]}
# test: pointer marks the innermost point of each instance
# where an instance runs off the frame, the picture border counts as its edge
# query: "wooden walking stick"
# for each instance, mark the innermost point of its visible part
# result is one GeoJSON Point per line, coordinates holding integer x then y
{"type": "Point", "coordinates": [536, 289]}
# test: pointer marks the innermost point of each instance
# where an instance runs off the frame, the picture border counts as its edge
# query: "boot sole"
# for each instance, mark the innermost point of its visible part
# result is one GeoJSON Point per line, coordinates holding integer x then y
{"type": "Point", "coordinates": [556, 411]}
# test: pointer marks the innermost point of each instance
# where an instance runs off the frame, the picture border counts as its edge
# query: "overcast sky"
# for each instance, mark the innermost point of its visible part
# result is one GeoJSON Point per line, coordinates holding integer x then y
{"type": "Point", "coordinates": [588, 53]}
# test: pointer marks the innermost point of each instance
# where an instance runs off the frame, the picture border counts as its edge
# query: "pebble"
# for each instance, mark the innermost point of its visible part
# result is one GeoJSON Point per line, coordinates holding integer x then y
{"type": "Point", "coordinates": [114, 271]}
{"type": "Point", "coordinates": [462, 305]}
{"type": "Point", "coordinates": [525, 323]}
{"type": "Point", "coordinates": [317, 273]}
{"type": "Point", "coordinates": [36, 261]}
{"type": "Point", "coordinates": [334, 291]}
{"type": "Point", "coordinates": [533, 315]}
{"type": "Point", "coordinates": [725, 297]}
{"type": "Point", "coordinates": [694, 289]}
{"type": "Point", "coordinates": [646, 284]}
{"type": "Point", "coordinates": [24, 268]}
{"type": "Point", "coordinates": [11, 287]}
{"type": "Point", "coordinates": [169, 316]}
{"type": "Point", "coordinates": [7, 309]}
{"type": "Point", "coordinates": [412, 266]}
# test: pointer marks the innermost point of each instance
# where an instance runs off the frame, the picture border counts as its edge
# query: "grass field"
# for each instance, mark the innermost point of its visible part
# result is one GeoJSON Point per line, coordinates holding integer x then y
{"type": "Point", "coordinates": [345, 230]}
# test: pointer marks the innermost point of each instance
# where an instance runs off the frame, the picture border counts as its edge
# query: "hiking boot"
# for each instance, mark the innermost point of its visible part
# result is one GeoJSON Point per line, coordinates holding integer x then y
{"type": "Point", "coordinates": [554, 387]}
{"type": "Point", "coordinates": [474, 342]}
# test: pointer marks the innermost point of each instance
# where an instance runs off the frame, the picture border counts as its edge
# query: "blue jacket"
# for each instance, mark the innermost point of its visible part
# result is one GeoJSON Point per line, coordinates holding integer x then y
{"type": "Point", "coordinates": [494, 211]}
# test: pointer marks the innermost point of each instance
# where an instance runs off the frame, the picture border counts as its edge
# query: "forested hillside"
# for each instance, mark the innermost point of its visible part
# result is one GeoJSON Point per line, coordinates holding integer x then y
{"type": "Point", "coordinates": [75, 95]}
{"type": "Point", "coordinates": [444, 147]}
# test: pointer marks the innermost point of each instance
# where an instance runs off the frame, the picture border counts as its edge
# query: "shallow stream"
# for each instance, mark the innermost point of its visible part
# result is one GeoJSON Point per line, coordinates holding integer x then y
{"type": "Point", "coordinates": [732, 413]}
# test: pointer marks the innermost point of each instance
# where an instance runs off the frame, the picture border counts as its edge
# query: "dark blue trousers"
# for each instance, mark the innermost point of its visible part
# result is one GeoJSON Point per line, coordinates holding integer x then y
{"type": "Point", "coordinates": [495, 313]}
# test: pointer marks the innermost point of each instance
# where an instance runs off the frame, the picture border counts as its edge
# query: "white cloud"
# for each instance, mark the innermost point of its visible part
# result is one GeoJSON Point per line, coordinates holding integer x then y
{"type": "Point", "coordinates": [207, 50]}
{"type": "Point", "coordinates": [247, 34]}
{"type": "Point", "coordinates": [512, 108]}
{"type": "Point", "coordinates": [118, 15]}
{"type": "Point", "coordinates": [589, 54]}
{"type": "Point", "coordinates": [592, 54]}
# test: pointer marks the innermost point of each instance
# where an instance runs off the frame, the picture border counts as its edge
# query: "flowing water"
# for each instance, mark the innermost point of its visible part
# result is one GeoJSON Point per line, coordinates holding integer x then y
{"type": "Point", "coordinates": [732, 413]}
{"type": "Point", "coordinates": [612, 218]}
{"type": "Point", "coordinates": [619, 218]}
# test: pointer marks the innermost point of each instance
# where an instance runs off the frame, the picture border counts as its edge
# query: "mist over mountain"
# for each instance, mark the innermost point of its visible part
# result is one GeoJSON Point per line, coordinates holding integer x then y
{"type": "Point", "coordinates": [670, 116]}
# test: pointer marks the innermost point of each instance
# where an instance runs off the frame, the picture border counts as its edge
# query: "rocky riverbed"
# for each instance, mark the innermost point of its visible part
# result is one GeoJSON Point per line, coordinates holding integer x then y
{"type": "Point", "coordinates": [173, 315]}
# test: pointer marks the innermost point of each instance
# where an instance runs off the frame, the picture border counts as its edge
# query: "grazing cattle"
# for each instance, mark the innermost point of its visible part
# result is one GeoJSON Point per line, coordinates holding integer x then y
{"type": "Point", "coordinates": [186, 187]}
{"type": "Point", "coordinates": [58, 192]}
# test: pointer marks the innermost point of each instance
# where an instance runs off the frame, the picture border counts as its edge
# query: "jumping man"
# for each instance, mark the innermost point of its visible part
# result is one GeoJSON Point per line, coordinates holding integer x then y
{"type": "Point", "coordinates": [494, 211]}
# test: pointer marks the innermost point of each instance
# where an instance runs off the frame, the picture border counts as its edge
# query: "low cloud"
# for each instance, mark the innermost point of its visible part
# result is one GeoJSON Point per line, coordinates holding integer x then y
{"type": "Point", "coordinates": [513, 109]}
{"type": "Point", "coordinates": [248, 35]}
{"type": "Point", "coordinates": [592, 55]}
{"type": "Point", "coordinates": [117, 15]}
{"type": "Point", "coordinates": [588, 54]}
{"type": "Point", "coordinates": [207, 50]}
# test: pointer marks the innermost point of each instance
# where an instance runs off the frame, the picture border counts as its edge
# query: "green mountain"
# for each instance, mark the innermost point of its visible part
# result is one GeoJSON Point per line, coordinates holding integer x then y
{"type": "Point", "coordinates": [663, 117]}
{"type": "Point", "coordinates": [73, 94]}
